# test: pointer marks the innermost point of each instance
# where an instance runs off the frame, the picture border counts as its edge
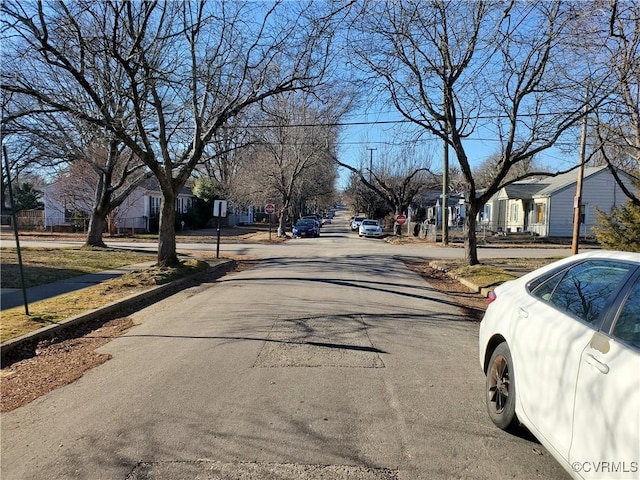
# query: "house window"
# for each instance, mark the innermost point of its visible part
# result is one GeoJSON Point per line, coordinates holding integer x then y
{"type": "Point", "coordinates": [486, 215]}
{"type": "Point", "coordinates": [514, 212]}
{"type": "Point", "coordinates": [154, 206]}
{"type": "Point", "coordinates": [583, 213]}
{"type": "Point", "coordinates": [539, 213]}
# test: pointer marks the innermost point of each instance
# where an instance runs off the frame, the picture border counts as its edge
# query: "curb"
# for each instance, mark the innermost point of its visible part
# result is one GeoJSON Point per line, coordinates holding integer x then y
{"type": "Point", "coordinates": [484, 291]}
{"type": "Point", "coordinates": [10, 346]}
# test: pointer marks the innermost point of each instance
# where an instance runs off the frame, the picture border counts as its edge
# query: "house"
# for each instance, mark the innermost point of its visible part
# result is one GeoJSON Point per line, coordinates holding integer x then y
{"type": "Point", "coordinates": [240, 214]}
{"type": "Point", "coordinates": [140, 211]}
{"type": "Point", "coordinates": [430, 204]}
{"type": "Point", "coordinates": [545, 205]}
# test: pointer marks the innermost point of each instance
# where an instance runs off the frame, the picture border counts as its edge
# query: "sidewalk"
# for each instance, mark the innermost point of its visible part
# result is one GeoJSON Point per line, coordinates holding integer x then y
{"type": "Point", "coordinates": [14, 297]}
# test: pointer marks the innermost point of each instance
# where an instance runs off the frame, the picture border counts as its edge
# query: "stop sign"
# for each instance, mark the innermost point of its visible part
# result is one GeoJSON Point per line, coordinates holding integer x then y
{"type": "Point", "coordinates": [269, 208]}
{"type": "Point", "coordinates": [401, 219]}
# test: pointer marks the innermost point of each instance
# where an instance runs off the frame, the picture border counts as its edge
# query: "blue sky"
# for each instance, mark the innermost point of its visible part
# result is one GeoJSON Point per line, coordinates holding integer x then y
{"type": "Point", "coordinates": [361, 134]}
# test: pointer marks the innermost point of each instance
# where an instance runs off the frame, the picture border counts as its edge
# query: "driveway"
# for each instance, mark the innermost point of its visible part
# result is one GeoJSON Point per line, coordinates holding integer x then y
{"type": "Point", "coordinates": [329, 359]}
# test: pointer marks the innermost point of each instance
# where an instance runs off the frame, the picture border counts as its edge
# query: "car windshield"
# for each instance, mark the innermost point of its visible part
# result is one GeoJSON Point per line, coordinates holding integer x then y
{"type": "Point", "coordinates": [370, 222]}
{"type": "Point", "coordinates": [305, 223]}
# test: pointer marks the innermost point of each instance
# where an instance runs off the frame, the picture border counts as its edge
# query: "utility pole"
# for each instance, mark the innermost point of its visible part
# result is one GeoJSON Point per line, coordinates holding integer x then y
{"type": "Point", "coordinates": [445, 167]}
{"type": "Point", "coordinates": [369, 205]}
{"type": "Point", "coordinates": [577, 201]}
{"type": "Point", "coordinates": [371, 162]}
{"type": "Point", "coordinates": [445, 188]}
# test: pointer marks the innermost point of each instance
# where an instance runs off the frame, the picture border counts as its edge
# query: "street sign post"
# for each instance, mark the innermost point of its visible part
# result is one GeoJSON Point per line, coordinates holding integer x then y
{"type": "Point", "coordinates": [269, 209]}
{"type": "Point", "coordinates": [400, 220]}
{"type": "Point", "coordinates": [219, 210]}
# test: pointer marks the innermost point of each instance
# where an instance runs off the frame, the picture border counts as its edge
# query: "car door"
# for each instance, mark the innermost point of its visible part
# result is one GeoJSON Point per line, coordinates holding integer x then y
{"type": "Point", "coordinates": [606, 438]}
{"type": "Point", "coordinates": [558, 321]}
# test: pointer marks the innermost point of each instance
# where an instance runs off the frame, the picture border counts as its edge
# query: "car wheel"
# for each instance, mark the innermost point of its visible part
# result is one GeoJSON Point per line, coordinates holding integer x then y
{"type": "Point", "coordinates": [501, 389]}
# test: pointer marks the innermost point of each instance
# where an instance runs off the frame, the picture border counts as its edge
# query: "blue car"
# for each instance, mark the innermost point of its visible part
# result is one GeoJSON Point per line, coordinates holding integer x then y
{"type": "Point", "coordinates": [306, 228]}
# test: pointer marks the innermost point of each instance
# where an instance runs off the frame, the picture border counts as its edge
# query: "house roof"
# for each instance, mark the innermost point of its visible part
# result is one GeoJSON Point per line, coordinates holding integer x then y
{"type": "Point", "coordinates": [546, 186]}
{"type": "Point", "coordinates": [152, 185]}
{"type": "Point", "coordinates": [566, 179]}
{"type": "Point", "coordinates": [524, 190]}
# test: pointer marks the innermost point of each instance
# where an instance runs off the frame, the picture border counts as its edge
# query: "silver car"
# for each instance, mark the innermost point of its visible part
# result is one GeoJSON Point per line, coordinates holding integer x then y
{"type": "Point", "coordinates": [369, 228]}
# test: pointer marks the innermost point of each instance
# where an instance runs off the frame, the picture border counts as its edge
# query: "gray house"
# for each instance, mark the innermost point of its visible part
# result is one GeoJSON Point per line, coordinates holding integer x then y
{"type": "Point", "coordinates": [544, 206]}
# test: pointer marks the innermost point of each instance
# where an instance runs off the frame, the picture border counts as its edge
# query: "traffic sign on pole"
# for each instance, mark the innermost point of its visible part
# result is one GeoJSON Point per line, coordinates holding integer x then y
{"type": "Point", "coordinates": [401, 219]}
{"type": "Point", "coordinates": [269, 209]}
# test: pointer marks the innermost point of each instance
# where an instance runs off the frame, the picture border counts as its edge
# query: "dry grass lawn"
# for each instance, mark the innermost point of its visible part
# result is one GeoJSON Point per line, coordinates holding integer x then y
{"type": "Point", "coordinates": [54, 310]}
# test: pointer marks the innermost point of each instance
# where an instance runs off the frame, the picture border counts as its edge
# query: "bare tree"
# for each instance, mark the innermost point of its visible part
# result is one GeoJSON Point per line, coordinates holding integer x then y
{"type": "Point", "coordinates": [616, 133]}
{"type": "Point", "coordinates": [59, 140]}
{"type": "Point", "coordinates": [163, 77]}
{"type": "Point", "coordinates": [18, 138]}
{"type": "Point", "coordinates": [223, 158]}
{"type": "Point", "coordinates": [487, 170]}
{"type": "Point", "coordinates": [507, 67]}
{"type": "Point", "coordinates": [295, 150]}
{"type": "Point", "coordinates": [396, 177]}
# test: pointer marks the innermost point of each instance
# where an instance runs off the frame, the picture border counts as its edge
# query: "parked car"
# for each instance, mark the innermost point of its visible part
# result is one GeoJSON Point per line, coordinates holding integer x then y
{"type": "Point", "coordinates": [315, 218]}
{"type": "Point", "coordinates": [369, 228]}
{"type": "Point", "coordinates": [355, 223]}
{"type": "Point", "coordinates": [306, 228]}
{"type": "Point", "coordinates": [560, 348]}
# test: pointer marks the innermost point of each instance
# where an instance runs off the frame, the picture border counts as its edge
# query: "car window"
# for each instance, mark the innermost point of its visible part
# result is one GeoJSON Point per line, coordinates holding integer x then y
{"type": "Point", "coordinates": [585, 289]}
{"type": "Point", "coordinates": [544, 289]}
{"type": "Point", "coordinates": [627, 326]}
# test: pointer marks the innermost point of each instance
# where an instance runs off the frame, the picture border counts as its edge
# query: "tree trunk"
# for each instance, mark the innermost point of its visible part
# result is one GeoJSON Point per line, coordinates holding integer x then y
{"type": "Point", "coordinates": [96, 227]}
{"type": "Point", "coordinates": [282, 223]}
{"type": "Point", "coordinates": [167, 256]}
{"type": "Point", "coordinates": [102, 207]}
{"type": "Point", "coordinates": [470, 239]}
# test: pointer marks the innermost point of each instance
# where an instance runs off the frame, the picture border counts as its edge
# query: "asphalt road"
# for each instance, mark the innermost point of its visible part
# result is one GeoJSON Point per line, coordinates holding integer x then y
{"type": "Point", "coordinates": [329, 359]}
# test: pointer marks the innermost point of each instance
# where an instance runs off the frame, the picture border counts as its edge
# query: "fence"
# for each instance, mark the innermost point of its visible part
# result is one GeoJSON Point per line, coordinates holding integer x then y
{"type": "Point", "coordinates": [32, 220]}
{"type": "Point", "coordinates": [26, 219]}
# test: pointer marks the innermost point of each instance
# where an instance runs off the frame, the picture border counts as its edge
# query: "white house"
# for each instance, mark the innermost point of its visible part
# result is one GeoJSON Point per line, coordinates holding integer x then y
{"type": "Point", "coordinates": [240, 215]}
{"type": "Point", "coordinates": [139, 211]}
{"type": "Point", "coordinates": [544, 205]}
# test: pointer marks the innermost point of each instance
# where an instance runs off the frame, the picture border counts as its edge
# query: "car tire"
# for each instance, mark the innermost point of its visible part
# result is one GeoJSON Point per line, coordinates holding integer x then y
{"type": "Point", "coordinates": [501, 389]}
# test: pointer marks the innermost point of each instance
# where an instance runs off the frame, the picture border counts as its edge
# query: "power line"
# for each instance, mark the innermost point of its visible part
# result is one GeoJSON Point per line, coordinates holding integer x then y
{"type": "Point", "coordinates": [396, 122]}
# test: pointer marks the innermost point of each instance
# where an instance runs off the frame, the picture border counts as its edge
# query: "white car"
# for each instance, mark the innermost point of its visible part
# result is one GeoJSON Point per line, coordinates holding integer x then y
{"type": "Point", "coordinates": [355, 222]}
{"type": "Point", "coordinates": [369, 228]}
{"type": "Point", "coordinates": [560, 348]}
